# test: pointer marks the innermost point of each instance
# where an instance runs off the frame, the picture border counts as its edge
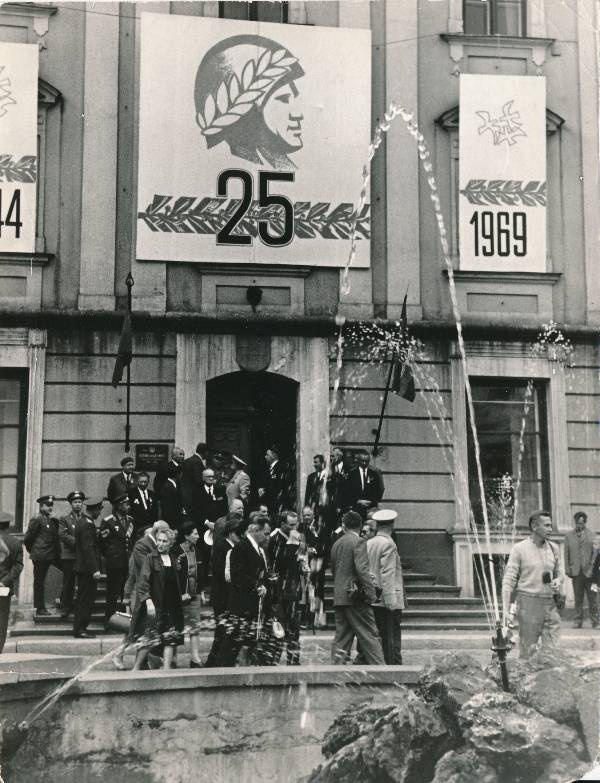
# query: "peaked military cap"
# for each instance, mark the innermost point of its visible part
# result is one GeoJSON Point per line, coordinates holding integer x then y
{"type": "Point", "coordinates": [120, 499]}
{"type": "Point", "coordinates": [75, 495]}
{"type": "Point", "coordinates": [45, 499]}
{"type": "Point", "coordinates": [126, 461]}
{"type": "Point", "coordinates": [91, 502]}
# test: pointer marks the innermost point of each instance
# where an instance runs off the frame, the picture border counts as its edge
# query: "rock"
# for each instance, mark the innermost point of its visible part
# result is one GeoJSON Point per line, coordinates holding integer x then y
{"type": "Point", "coordinates": [558, 771]}
{"type": "Point", "coordinates": [464, 766]}
{"type": "Point", "coordinates": [512, 737]}
{"type": "Point", "coordinates": [403, 745]}
{"type": "Point", "coordinates": [451, 681]}
{"type": "Point", "coordinates": [587, 698]}
{"type": "Point", "coordinates": [354, 721]}
{"type": "Point", "coordinates": [551, 692]}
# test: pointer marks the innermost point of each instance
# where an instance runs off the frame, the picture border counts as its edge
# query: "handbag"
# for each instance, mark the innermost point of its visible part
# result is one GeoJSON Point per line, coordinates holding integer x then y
{"type": "Point", "coordinates": [120, 621]}
{"type": "Point", "coordinates": [277, 629]}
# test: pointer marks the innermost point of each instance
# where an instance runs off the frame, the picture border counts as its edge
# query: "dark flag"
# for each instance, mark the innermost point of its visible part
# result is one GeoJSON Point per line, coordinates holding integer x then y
{"type": "Point", "coordinates": [403, 382]}
{"type": "Point", "coordinates": [124, 352]}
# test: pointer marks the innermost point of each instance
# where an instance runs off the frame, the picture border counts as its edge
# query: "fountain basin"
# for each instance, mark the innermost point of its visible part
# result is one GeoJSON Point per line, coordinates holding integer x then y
{"type": "Point", "coordinates": [249, 724]}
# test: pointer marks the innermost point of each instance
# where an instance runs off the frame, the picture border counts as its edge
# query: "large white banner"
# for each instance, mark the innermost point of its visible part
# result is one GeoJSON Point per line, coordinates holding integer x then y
{"type": "Point", "coordinates": [252, 141]}
{"type": "Point", "coordinates": [502, 181]}
{"type": "Point", "coordinates": [18, 146]}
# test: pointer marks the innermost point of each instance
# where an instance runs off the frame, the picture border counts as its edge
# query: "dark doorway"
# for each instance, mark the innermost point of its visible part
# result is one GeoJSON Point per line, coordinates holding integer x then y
{"type": "Point", "coordinates": [247, 413]}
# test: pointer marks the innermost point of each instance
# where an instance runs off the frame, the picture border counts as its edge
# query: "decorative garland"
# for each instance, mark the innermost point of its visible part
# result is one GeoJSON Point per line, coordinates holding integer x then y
{"type": "Point", "coordinates": [18, 170]}
{"type": "Point", "coordinates": [236, 98]}
{"type": "Point", "coordinates": [511, 192]}
{"type": "Point", "coordinates": [189, 215]}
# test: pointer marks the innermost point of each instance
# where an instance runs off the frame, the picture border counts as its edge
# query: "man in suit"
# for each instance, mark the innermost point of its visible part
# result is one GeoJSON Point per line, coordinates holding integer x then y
{"type": "Point", "coordinates": [42, 542]}
{"type": "Point", "coordinates": [191, 480]}
{"type": "Point", "coordinates": [116, 533]}
{"type": "Point", "coordinates": [385, 565]}
{"type": "Point", "coordinates": [66, 534]}
{"type": "Point", "coordinates": [248, 570]}
{"type": "Point", "coordinates": [219, 593]}
{"type": "Point", "coordinates": [87, 566]}
{"type": "Point", "coordinates": [579, 558]}
{"type": "Point", "coordinates": [162, 470]}
{"type": "Point", "coordinates": [338, 477]}
{"type": "Point", "coordinates": [272, 493]}
{"type": "Point", "coordinates": [316, 494]}
{"type": "Point", "coordinates": [239, 484]}
{"type": "Point", "coordinates": [364, 487]}
{"type": "Point", "coordinates": [171, 506]}
{"type": "Point", "coordinates": [11, 565]}
{"type": "Point", "coordinates": [143, 506]}
{"type": "Point", "coordinates": [354, 592]}
{"type": "Point", "coordinates": [122, 482]}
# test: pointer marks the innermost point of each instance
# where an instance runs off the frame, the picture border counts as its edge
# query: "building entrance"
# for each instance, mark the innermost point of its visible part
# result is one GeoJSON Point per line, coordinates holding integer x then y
{"type": "Point", "coordinates": [247, 413]}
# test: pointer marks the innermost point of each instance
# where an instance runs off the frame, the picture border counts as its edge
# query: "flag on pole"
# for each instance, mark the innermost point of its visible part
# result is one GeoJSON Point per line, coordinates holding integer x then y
{"type": "Point", "coordinates": [403, 382]}
{"type": "Point", "coordinates": [124, 352]}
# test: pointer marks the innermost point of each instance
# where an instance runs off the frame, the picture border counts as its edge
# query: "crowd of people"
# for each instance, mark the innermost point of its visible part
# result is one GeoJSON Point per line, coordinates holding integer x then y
{"type": "Point", "coordinates": [205, 548]}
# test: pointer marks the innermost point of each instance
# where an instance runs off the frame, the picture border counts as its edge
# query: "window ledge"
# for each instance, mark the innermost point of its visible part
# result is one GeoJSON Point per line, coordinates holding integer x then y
{"type": "Point", "coordinates": [25, 259]}
{"type": "Point", "coordinates": [540, 278]}
{"type": "Point", "coordinates": [539, 46]}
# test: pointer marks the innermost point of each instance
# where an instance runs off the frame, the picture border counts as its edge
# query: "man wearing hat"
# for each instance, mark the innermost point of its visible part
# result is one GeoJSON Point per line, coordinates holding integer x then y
{"type": "Point", "coordinates": [116, 533]}
{"type": "Point", "coordinates": [87, 566]}
{"type": "Point", "coordinates": [121, 483]}
{"type": "Point", "coordinates": [66, 534]}
{"type": "Point", "coordinates": [11, 565]}
{"type": "Point", "coordinates": [239, 484]}
{"type": "Point", "coordinates": [42, 542]}
{"type": "Point", "coordinates": [385, 565]}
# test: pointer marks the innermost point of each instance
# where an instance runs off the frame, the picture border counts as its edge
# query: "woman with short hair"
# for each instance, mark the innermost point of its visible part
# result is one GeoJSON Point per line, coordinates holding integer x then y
{"type": "Point", "coordinates": [188, 573]}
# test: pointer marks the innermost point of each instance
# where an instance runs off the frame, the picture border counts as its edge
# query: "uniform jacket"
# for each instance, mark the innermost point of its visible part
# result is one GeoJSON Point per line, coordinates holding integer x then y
{"type": "Point", "coordinates": [350, 562]}
{"type": "Point", "coordinates": [191, 483]}
{"type": "Point", "coordinates": [66, 534]}
{"type": "Point", "coordinates": [579, 553]}
{"type": "Point", "coordinates": [119, 485]}
{"type": "Point", "coordinates": [87, 548]}
{"type": "Point", "coordinates": [372, 492]}
{"type": "Point", "coordinates": [385, 565]}
{"type": "Point", "coordinates": [248, 570]}
{"type": "Point", "coordinates": [41, 539]}
{"type": "Point", "coordinates": [12, 565]}
{"type": "Point", "coordinates": [115, 537]}
{"type": "Point", "coordinates": [238, 487]}
{"type": "Point", "coordinates": [143, 515]}
{"type": "Point", "coordinates": [317, 490]}
{"type": "Point", "coordinates": [152, 585]}
{"type": "Point", "coordinates": [171, 508]}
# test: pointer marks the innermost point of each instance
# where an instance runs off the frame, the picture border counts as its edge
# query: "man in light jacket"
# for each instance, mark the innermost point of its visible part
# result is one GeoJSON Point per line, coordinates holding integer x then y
{"type": "Point", "coordinates": [579, 558]}
{"type": "Point", "coordinates": [385, 565]}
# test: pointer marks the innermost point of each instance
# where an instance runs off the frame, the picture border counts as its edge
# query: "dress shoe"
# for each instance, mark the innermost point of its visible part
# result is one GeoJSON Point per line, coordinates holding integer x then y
{"type": "Point", "coordinates": [42, 613]}
{"type": "Point", "coordinates": [196, 665]}
{"type": "Point", "coordinates": [84, 635]}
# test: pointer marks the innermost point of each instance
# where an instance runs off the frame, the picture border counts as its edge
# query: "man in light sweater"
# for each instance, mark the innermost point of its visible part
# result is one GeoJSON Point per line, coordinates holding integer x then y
{"type": "Point", "coordinates": [534, 572]}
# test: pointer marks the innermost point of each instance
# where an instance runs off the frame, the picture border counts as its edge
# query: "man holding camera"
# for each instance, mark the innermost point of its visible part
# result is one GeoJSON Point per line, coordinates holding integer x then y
{"type": "Point", "coordinates": [534, 572]}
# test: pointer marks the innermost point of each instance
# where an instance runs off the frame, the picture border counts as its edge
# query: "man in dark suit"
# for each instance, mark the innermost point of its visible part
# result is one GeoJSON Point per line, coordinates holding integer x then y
{"type": "Point", "coordinates": [162, 470]}
{"type": "Point", "coordinates": [248, 570]}
{"type": "Point", "coordinates": [316, 494]}
{"type": "Point", "coordinates": [11, 565]}
{"type": "Point", "coordinates": [364, 487]}
{"type": "Point", "coordinates": [143, 506]}
{"type": "Point", "coordinates": [337, 480]}
{"type": "Point", "coordinates": [354, 592]}
{"type": "Point", "coordinates": [219, 592]}
{"type": "Point", "coordinates": [87, 566]}
{"type": "Point", "coordinates": [191, 480]}
{"type": "Point", "coordinates": [116, 532]}
{"type": "Point", "coordinates": [66, 534]}
{"type": "Point", "coordinates": [171, 507]}
{"type": "Point", "coordinates": [122, 482]}
{"type": "Point", "coordinates": [42, 542]}
{"type": "Point", "coordinates": [272, 492]}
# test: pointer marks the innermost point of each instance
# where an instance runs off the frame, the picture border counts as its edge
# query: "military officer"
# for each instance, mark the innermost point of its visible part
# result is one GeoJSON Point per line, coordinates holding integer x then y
{"type": "Point", "coordinates": [42, 542]}
{"type": "Point", "coordinates": [11, 565]}
{"type": "Point", "coordinates": [66, 534]}
{"type": "Point", "coordinates": [116, 534]}
{"type": "Point", "coordinates": [87, 566]}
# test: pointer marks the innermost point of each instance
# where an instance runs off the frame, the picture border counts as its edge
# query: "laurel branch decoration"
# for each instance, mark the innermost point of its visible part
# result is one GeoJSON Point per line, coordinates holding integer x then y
{"type": "Point", "coordinates": [512, 192]}
{"type": "Point", "coordinates": [236, 97]}
{"type": "Point", "coordinates": [189, 215]}
{"type": "Point", "coordinates": [18, 170]}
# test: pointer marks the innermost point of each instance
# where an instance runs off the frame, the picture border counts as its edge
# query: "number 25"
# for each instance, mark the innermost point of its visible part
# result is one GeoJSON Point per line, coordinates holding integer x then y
{"type": "Point", "coordinates": [265, 199]}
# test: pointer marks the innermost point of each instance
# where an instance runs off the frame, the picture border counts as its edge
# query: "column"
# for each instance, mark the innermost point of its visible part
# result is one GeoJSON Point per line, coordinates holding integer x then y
{"type": "Point", "coordinates": [99, 168]}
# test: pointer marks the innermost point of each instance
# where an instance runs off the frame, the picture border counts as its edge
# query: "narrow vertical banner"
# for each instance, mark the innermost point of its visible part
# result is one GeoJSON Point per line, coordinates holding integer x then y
{"type": "Point", "coordinates": [18, 146]}
{"type": "Point", "coordinates": [502, 178]}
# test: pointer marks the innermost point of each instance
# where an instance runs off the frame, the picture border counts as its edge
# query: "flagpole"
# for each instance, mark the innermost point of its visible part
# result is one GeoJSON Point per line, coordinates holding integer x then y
{"type": "Point", "coordinates": [381, 415]}
{"type": "Point", "coordinates": [129, 283]}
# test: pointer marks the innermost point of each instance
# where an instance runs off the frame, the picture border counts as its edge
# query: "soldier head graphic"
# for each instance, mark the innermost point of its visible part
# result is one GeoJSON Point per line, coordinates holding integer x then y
{"type": "Point", "coordinates": [246, 95]}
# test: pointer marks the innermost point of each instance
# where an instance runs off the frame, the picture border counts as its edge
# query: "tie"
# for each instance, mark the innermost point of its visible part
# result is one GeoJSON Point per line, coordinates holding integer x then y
{"type": "Point", "coordinates": [210, 491]}
{"type": "Point", "coordinates": [143, 493]}
{"type": "Point", "coordinates": [362, 478]}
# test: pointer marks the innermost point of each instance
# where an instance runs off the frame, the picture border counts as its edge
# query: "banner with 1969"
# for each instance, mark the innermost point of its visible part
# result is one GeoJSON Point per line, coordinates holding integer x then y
{"type": "Point", "coordinates": [502, 180]}
{"type": "Point", "coordinates": [252, 142]}
{"type": "Point", "coordinates": [18, 146]}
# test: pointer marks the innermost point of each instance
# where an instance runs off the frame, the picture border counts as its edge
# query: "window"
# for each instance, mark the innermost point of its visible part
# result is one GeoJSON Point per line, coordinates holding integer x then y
{"type": "Point", "coordinates": [13, 417]}
{"type": "Point", "coordinates": [494, 17]}
{"type": "Point", "coordinates": [258, 11]}
{"type": "Point", "coordinates": [500, 406]}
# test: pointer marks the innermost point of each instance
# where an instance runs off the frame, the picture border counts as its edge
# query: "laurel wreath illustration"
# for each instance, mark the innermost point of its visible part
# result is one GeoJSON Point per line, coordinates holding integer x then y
{"type": "Point", "coordinates": [189, 215]}
{"type": "Point", "coordinates": [18, 170]}
{"type": "Point", "coordinates": [505, 191]}
{"type": "Point", "coordinates": [236, 97]}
